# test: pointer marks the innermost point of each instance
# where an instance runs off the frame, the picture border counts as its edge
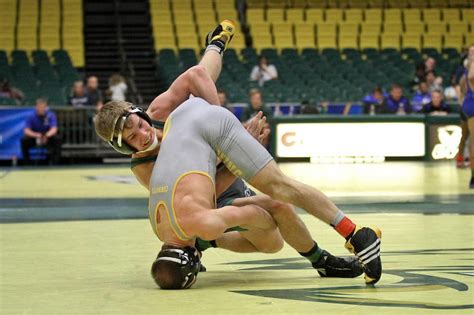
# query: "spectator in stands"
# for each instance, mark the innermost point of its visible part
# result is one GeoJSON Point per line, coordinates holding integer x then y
{"type": "Point", "coordinates": [309, 108]}
{"type": "Point", "coordinates": [263, 71]}
{"type": "Point", "coordinates": [373, 102]}
{"type": "Point", "coordinates": [430, 64]}
{"type": "Point", "coordinates": [434, 82]}
{"type": "Point", "coordinates": [421, 97]}
{"type": "Point", "coordinates": [223, 99]}
{"type": "Point", "coordinates": [396, 103]}
{"type": "Point", "coordinates": [79, 96]}
{"type": "Point", "coordinates": [9, 92]}
{"type": "Point", "coordinates": [420, 74]}
{"type": "Point", "coordinates": [437, 106]}
{"type": "Point", "coordinates": [256, 105]}
{"type": "Point", "coordinates": [94, 95]}
{"type": "Point", "coordinates": [41, 130]}
{"type": "Point", "coordinates": [451, 92]}
{"type": "Point", "coordinates": [118, 87]}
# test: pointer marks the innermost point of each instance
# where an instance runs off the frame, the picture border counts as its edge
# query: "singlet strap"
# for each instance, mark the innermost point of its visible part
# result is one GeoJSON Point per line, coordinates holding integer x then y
{"type": "Point", "coordinates": [142, 160]}
{"type": "Point", "coordinates": [158, 124]}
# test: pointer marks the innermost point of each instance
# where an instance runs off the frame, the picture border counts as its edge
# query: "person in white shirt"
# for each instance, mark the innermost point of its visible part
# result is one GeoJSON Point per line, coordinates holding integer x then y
{"type": "Point", "coordinates": [117, 87]}
{"type": "Point", "coordinates": [263, 71]}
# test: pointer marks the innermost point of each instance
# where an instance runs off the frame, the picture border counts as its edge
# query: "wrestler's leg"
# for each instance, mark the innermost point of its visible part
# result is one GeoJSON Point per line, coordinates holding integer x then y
{"type": "Point", "coordinates": [291, 227]}
{"type": "Point", "coordinates": [212, 61]}
{"type": "Point", "coordinates": [249, 241]}
{"type": "Point", "coordinates": [246, 158]}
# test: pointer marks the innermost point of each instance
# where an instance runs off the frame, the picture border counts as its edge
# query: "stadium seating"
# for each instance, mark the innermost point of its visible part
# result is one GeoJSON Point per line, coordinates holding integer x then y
{"type": "Point", "coordinates": [319, 42]}
{"type": "Point", "coordinates": [73, 31]}
{"type": "Point", "coordinates": [8, 15]}
{"type": "Point", "coordinates": [50, 25]}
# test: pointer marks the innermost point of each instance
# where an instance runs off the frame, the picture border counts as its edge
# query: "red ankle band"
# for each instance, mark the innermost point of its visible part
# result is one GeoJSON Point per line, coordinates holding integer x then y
{"type": "Point", "coordinates": [345, 227]}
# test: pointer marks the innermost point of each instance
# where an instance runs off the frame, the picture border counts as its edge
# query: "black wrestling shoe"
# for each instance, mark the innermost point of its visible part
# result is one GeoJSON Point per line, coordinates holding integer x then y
{"type": "Point", "coordinates": [365, 244]}
{"type": "Point", "coordinates": [202, 268]}
{"type": "Point", "coordinates": [338, 267]}
{"type": "Point", "coordinates": [471, 183]}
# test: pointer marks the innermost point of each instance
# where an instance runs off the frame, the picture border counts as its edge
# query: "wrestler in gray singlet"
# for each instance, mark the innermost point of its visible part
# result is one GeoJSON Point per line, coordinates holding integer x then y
{"type": "Point", "coordinates": [195, 134]}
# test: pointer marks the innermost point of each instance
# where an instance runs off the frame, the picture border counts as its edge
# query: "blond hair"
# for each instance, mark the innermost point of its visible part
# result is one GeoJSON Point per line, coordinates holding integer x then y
{"type": "Point", "coordinates": [106, 119]}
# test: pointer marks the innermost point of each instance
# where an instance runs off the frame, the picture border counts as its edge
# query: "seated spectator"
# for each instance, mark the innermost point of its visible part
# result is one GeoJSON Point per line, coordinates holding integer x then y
{"type": "Point", "coordinates": [421, 97]}
{"type": "Point", "coordinates": [430, 64]}
{"type": "Point", "coordinates": [41, 130]}
{"type": "Point", "coordinates": [434, 82]}
{"type": "Point", "coordinates": [263, 71]}
{"type": "Point", "coordinates": [373, 102]}
{"type": "Point", "coordinates": [79, 96]}
{"type": "Point", "coordinates": [9, 92]}
{"type": "Point", "coordinates": [223, 99]}
{"type": "Point", "coordinates": [309, 108]}
{"type": "Point", "coordinates": [451, 92]}
{"type": "Point", "coordinates": [93, 93]}
{"type": "Point", "coordinates": [396, 103]}
{"type": "Point", "coordinates": [256, 105]}
{"type": "Point", "coordinates": [420, 73]}
{"type": "Point", "coordinates": [437, 105]}
{"type": "Point", "coordinates": [117, 87]}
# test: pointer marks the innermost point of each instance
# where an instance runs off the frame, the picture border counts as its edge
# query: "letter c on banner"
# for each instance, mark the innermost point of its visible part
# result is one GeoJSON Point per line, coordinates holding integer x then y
{"type": "Point", "coordinates": [288, 139]}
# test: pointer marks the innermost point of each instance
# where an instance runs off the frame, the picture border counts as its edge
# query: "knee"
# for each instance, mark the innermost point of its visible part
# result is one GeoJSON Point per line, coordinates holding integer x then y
{"type": "Point", "coordinates": [273, 245]}
{"type": "Point", "coordinates": [283, 212]}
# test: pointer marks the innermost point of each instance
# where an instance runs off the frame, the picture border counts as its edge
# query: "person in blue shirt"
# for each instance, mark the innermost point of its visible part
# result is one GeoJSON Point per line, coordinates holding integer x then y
{"type": "Point", "coordinates": [41, 130]}
{"type": "Point", "coordinates": [373, 102]}
{"type": "Point", "coordinates": [421, 97]}
{"type": "Point", "coordinates": [396, 103]}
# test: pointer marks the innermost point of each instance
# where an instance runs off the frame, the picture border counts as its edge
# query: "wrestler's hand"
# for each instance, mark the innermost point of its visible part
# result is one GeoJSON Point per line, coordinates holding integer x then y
{"type": "Point", "coordinates": [258, 127]}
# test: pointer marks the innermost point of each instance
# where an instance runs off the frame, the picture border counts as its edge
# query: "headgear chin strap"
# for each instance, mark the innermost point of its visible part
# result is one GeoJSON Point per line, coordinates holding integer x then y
{"type": "Point", "coordinates": [117, 142]}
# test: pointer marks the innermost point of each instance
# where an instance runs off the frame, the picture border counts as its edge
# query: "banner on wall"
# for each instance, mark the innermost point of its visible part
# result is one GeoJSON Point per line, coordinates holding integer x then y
{"type": "Point", "coordinates": [377, 139]}
{"type": "Point", "coordinates": [444, 141]}
{"type": "Point", "coordinates": [12, 122]}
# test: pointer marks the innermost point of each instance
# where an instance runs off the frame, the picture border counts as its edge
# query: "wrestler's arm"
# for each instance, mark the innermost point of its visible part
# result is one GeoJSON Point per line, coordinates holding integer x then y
{"type": "Point", "coordinates": [196, 81]}
{"type": "Point", "coordinates": [143, 173]}
{"type": "Point", "coordinates": [213, 224]}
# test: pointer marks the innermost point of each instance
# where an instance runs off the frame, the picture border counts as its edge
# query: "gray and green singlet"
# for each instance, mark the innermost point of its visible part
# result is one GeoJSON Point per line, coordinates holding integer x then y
{"type": "Point", "coordinates": [195, 134]}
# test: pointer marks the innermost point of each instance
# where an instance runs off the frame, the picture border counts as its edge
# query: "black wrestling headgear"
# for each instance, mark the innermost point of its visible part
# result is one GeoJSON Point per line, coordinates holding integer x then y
{"type": "Point", "coordinates": [176, 268]}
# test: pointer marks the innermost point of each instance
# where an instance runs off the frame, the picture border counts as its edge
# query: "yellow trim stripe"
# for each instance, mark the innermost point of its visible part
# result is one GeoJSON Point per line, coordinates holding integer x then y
{"type": "Point", "coordinates": [166, 128]}
{"type": "Point", "coordinates": [173, 213]}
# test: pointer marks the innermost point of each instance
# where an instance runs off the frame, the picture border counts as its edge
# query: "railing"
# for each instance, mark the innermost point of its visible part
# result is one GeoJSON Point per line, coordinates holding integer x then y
{"type": "Point", "coordinates": [76, 128]}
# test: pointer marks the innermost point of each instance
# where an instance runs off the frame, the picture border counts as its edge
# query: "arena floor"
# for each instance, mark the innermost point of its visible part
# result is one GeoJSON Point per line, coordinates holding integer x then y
{"type": "Point", "coordinates": [74, 240]}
